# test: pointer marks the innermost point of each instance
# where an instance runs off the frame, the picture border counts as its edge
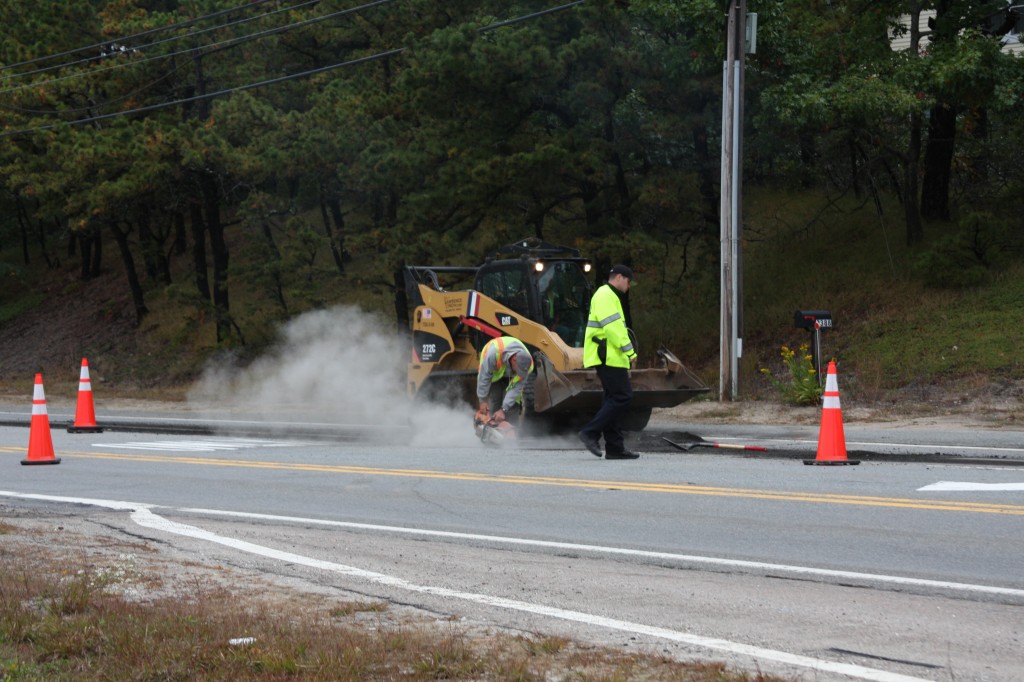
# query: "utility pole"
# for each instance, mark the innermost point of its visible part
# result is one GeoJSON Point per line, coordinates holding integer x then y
{"type": "Point", "coordinates": [731, 339]}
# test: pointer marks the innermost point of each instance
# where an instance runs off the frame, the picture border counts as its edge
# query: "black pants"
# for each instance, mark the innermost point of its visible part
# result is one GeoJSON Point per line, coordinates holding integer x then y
{"type": "Point", "coordinates": [618, 394]}
{"type": "Point", "coordinates": [497, 396]}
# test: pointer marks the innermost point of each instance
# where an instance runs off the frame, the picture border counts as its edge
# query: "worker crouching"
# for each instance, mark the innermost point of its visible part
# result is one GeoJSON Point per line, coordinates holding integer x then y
{"type": "Point", "coordinates": [504, 357]}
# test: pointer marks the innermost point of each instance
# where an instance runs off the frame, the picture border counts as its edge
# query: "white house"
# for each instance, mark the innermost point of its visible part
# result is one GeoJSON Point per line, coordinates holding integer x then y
{"type": "Point", "coordinates": [1012, 42]}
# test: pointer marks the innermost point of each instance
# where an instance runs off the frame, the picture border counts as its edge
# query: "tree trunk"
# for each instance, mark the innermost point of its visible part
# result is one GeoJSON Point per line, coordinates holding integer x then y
{"type": "Point", "coordinates": [339, 261]}
{"type": "Point", "coordinates": [158, 268]}
{"type": "Point", "coordinates": [268, 236]}
{"type": "Point", "coordinates": [89, 241]}
{"type": "Point", "coordinates": [808, 159]}
{"type": "Point", "coordinates": [202, 278]}
{"type": "Point", "coordinates": [22, 224]}
{"type": "Point", "coordinates": [147, 243]}
{"type": "Point", "coordinates": [851, 145]}
{"type": "Point", "coordinates": [219, 250]}
{"type": "Point", "coordinates": [121, 237]}
{"type": "Point", "coordinates": [938, 161]}
{"type": "Point", "coordinates": [180, 240]}
{"type": "Point", "coordinates": [85, 274]}
{"type": "Point", "coordinates": [26, 224]}
{"type": "Point", "coordinates": [334, 206]}
{"type": "Point", "coordinates": [97, 250]}
{"type": "Point", "coordinates": [707, 171]}
{"type": "Point", "coordinates": [625, 200]}
{"type": "Point", "coordinates": [591, 211]}
{"type": "Point", "coordinates": [911, 210]}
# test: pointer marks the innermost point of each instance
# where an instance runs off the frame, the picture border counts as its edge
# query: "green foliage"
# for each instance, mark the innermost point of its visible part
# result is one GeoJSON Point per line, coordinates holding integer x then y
{"type": "Point", "coordinates": [967, 256]}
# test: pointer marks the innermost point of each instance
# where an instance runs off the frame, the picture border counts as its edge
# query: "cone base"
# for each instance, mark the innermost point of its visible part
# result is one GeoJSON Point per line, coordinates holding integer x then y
{"type": "Point", "coordinates": [85, 429]}
{"type": "Point", "coordinates": [831, 462]}
{"type": "Point", "coordinates": [55, 460]}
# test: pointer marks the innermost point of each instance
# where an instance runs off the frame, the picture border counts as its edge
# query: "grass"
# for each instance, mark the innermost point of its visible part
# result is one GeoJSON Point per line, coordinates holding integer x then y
{"type": "Point", "coordinates": [107, 618]}
{"type": "Point", "coordinates": [16, 306]}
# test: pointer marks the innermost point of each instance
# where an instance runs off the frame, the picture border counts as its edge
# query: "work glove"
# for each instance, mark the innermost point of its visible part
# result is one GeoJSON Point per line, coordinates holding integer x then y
{"type": "Point", "coordinates": [498, 417]}
{"type": "Point", "coordinates": [483, 414]}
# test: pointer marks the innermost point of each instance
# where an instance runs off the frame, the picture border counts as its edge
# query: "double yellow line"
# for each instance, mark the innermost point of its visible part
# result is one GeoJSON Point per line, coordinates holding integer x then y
{"type": "Point", "coordinates": [515, 479]}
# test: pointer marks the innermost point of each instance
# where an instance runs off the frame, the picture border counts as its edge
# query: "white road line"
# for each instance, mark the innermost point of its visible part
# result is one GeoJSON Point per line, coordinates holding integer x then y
{"type": "Point", "coordinates": [622, 551]}
{"type": "Point", "coordinates": [965, 485]}
{"type": "Point", "coordinates": [933, 447]}
{"type": "Point", "coordinates": [142, 515]}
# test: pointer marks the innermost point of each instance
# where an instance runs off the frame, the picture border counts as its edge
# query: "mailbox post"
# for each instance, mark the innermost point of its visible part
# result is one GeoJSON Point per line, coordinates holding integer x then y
{"type": "Point", "coordinates": [814, 321]}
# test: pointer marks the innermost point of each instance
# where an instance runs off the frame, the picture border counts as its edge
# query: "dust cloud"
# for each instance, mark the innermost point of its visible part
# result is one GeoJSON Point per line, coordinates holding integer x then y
{"type": "Point", "coordinates": [341, 368]}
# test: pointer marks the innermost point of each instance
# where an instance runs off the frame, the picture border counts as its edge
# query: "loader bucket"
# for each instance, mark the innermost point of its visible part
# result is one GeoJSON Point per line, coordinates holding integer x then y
{"type": "Point", "coordinates": [580, 390]}
{"type": "Point", "coordinates": [550, 387]}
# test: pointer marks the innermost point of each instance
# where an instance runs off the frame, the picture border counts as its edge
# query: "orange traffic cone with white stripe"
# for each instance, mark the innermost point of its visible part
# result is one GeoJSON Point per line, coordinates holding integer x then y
{"type": "Point", "coordinates": [40, 445]}
{"type": "Point", "coordinates": [85, 412]}
{"type": "Point", "coordinates": [831, 439]}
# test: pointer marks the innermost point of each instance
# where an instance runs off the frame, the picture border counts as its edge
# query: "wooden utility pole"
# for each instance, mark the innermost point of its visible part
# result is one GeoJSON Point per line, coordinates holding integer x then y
{"type": "Point", "coordinates": [731, 341]}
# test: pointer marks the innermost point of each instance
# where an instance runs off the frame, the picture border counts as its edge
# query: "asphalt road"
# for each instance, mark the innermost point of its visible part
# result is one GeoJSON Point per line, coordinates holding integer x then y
{"type": "Point", "coordinates": [907, 566]}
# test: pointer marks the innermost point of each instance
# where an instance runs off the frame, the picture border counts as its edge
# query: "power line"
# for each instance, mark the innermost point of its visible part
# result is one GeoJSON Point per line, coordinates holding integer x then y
{"type": "Point", "coordinates": [219, 45]}
{"type": "Point", "coordinates": [211, 95]}
{"type": "Point", "coordinates": [125, 49]}
{"type": "Point", "coordinates": [281, 79]}
{"type": "Point", "coordinates": [525, 17]}
{"type": "Point", "coordinates": [182, 24]}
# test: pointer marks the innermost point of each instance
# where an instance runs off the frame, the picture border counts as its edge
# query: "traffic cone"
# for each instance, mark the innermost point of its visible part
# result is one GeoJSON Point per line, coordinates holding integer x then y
{"type": "Point", "coordinates": [40, 446]}
{"type": "Point", "coordinates": [831, 439]}
{"type": "Point", "coordinates": [85, 414]}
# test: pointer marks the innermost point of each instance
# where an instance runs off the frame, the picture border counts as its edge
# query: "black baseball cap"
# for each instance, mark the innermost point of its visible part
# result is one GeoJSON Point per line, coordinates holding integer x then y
{"type": "Point", "coordinates": [623, 270]}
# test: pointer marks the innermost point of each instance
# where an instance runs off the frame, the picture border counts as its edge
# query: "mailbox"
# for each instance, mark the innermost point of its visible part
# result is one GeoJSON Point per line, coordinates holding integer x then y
{"type": "Point", "coordinates": [812, 319]}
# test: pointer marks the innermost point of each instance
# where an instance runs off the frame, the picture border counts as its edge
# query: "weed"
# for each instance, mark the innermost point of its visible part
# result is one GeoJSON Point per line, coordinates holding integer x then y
{"type": "Point", "coordinates": [802, 387]}
{"type": "Point", "coordinates": [546, 646]}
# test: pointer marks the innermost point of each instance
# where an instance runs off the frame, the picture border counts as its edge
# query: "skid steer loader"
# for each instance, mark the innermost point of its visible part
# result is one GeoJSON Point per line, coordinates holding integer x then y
{"type": "Point", "coordinates": [540, 294]}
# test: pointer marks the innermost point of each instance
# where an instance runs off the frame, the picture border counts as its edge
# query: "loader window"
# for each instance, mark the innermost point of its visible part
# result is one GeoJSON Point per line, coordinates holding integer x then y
{"type": "Point", "coordinates": [508, 287]}
{"type": "Point", "coordinates": [565, 300]}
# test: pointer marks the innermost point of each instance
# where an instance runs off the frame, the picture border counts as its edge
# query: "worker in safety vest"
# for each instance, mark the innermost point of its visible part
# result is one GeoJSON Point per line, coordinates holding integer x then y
{"type": "Point", "coordinates": [609, 349]}
{"type": "Point", "coordinates": [502, 357]}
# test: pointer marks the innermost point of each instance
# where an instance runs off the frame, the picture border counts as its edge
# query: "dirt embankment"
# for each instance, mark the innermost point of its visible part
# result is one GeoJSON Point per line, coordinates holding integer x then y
{"type": "Point", "coordinates": [75, 320]}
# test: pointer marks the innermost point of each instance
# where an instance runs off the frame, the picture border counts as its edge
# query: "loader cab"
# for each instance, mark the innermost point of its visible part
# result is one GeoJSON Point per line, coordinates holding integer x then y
{"type": "Point", "coordinates": [553, 292]}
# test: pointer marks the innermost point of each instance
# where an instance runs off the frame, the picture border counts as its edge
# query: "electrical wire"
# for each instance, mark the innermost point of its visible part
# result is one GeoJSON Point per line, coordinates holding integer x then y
{"type": "Point", "coordinates": [211, 95]}
{"type": "Point", "coordinates": [139, 48]}
{"type": "Point", "coordinates": [231, 42]}
{"type": "Point", "coordinates": [274, 81]}
{"type": "Point", "coordinates": [182, 24]}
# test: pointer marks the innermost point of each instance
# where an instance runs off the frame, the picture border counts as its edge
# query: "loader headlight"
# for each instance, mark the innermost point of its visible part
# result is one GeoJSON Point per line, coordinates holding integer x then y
{"type": "Point", "coordinates": [538, 266]}
{"type": "Point", "coordinates": [587, 267]}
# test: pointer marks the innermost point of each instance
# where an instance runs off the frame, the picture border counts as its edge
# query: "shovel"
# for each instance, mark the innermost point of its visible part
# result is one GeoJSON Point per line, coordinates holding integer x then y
{"type": "Point", "coordinates": [703, 444]}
